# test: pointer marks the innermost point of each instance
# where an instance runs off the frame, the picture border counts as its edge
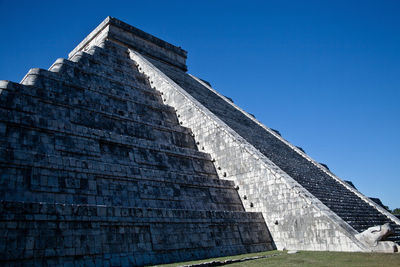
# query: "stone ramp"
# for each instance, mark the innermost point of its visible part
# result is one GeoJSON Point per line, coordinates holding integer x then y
{"type": "Point", "coordinates": [315, 178]}
{"type": "Point", "coordinates": [95, 168]}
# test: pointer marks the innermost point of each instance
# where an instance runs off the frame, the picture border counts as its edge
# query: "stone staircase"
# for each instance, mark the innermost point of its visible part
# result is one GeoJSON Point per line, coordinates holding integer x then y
{"type": "Point", "coordinates": [95, 169]}
{"type": "Point", "coordinates": [345, 203]}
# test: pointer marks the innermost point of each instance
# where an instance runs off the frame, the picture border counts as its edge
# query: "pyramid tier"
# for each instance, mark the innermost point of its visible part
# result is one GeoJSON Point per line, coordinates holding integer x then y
{"type": "Point", "coordinates": [96, 235]}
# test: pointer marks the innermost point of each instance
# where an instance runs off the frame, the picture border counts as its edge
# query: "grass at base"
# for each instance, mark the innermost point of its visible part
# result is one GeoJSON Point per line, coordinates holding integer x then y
{"type": "Point", "coordinates": [310, 258]}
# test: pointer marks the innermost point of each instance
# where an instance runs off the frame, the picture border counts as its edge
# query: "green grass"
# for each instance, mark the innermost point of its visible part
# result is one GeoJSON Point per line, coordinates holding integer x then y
{"type": "Point", "coordinates": [310, 258]}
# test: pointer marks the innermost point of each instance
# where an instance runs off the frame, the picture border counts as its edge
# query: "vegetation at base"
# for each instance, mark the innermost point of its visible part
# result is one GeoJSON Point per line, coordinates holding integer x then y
{"type": "Point", "coordinates": [310, 258]}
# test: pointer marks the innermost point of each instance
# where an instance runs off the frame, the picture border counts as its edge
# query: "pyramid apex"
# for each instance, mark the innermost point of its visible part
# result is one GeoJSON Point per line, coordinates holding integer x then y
{"type": "Point", "coordinates": [122, 33]}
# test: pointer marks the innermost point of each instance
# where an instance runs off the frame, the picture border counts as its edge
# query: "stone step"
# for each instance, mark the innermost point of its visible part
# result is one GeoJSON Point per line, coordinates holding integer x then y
{"type": "Point", "coordinates": [60, 137]}
{"type": "Point", "coordinates": [101, 150]}
{"type": "Point", "coordinates": [349, 216]}
{"type": "Point", "coordinates": [96, 83]}
{"type": "Point", "coordinates": [139, 96]}
{"type": "Point", "coordinates": [35, 184]}
{"type": "Point", "coordinates": [111, 171]}
{"type": "Point", "coordinates": [159, 113]}
{"type": "Point", "coordinates": [69, 70]}
{"type": "Point", "coordinates": [344, 208]}
{"type": "Point", "coordinates": [134, 158]}
{"type": "Point", "coordinates": [124, 70]}
{"type": "Point", "coordinates": [98, 55]}
{"type": "Point", "coordinates": [45, 234]}
{"type": "Point", "coordinates": [117, 166]}
{"type": "Point", "coordinates": [100, 60]}
{"type": "Point", "coordinates": [107, 53]}
{"type": "Point", "coordinates": [109, 49]}
{"type": "Point", "coordinates": [156, 131]}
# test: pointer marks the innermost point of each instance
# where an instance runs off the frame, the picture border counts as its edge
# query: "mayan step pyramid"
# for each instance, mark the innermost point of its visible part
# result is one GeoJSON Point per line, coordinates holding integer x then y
{"type": "Point", "coordinates": [117, 156]}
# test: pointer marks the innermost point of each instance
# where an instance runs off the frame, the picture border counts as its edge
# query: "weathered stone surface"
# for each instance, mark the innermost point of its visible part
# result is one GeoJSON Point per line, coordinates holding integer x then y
{"type": "Point", "coordinates": [374, 237]}
{"type": "Point", "coordinates": [139, 236]}
{"type": "Point", "coordinates": [117, 156]}
{"type": "Point", "coordinates": [96, 170]}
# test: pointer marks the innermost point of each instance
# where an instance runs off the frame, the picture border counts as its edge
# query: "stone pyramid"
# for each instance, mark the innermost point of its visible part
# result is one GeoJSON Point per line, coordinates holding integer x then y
{"type": "Point", "coordinates": [117, 156]}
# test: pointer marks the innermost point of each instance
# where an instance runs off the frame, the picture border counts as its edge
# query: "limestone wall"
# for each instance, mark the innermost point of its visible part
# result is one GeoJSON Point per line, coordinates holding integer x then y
{"type": "Point", "coordinates": [46, 234]}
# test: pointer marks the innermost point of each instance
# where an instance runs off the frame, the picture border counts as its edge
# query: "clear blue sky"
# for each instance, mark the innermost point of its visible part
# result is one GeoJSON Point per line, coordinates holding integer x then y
{"type": "Point", "coordinates": [326, 74]}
